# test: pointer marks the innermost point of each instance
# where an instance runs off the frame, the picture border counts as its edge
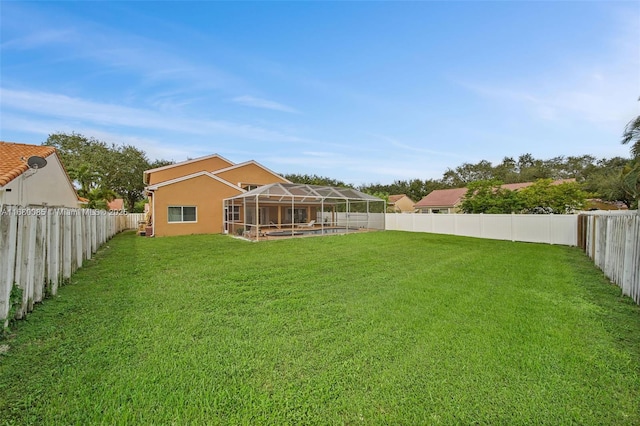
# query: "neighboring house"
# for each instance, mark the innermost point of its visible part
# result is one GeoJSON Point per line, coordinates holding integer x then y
{"type": "Point", "coordinates": [442, 201]}
{"type": "Point", "coordinates": [116, 205]}
{"type": "Point", "coordinates": [449, 200]}
{"type": "Point", "coordinates": [47, 185]}
{"type": "Point", "coordinates": [400, 203]}
{"type": "Point", "coordinates": [187, 198]}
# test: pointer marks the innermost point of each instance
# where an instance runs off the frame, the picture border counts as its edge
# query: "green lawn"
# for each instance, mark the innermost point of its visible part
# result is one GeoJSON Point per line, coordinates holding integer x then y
{"type": "Point", "coordinates": [378, 328]}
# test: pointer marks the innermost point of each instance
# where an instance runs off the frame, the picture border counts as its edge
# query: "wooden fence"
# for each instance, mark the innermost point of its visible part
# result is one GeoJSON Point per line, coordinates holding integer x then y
{"type": "Point", "coordinates": [612, 240]}
{"type": "Point", "coordinates": [41, 247]}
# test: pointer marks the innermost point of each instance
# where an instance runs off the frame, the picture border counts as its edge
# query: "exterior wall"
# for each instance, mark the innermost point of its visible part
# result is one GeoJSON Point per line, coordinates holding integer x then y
{"type": "Point", "coordinates": [179, 170]}
{"type": "Point", "coordinates": [203, 192]}
{"type": "Point", "coordinates": [440, 209]}
{"type": "Point", "coordinates": [404, 204]}
{"type": "Point", "coordinates": [249, 174]}
{"type": "Point", "coordinates": [47, 186]}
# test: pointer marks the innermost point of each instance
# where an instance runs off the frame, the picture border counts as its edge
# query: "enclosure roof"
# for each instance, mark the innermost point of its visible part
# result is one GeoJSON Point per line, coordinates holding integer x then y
{"type": "Point", "coordinates": [306, 192]}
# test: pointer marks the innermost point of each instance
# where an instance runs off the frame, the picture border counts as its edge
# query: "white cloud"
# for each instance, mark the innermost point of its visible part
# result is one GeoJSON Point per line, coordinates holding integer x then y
{"type": "Point", "coordinates": [51, 106]}
{"type": "Point", "coordinates": [39, 39]}
{"type": "Point", "coordinates": [253, 102]}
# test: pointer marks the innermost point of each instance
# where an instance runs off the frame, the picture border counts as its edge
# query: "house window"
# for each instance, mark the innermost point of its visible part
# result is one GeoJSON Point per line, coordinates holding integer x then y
{"type": "Point", "coordinates": [182, 214]}
{"type": "Point", "coordinates": [299, 215]}
{"type": "Point", "coordinates": [249, 186]}
{"type": "Point", "coordinates": [233, 214]}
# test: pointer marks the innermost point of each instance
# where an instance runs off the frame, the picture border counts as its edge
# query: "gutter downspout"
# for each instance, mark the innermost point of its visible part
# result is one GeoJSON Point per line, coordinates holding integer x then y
{"type": "Point", "coordinates": [153, 215]}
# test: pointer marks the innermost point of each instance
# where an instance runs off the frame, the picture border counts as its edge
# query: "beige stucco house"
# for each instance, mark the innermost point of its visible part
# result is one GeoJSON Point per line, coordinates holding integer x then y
{"type": "Point", "coordinates": [401, 203]}
{"type": "Point", "coordinates": [187, 197]}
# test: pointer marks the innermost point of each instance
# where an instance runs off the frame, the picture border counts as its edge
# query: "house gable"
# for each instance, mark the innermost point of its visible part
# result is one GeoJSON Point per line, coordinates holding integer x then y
{"type": "Point", "coordinates": [201, 190]}
{"type": "Point", "coordinates": [401, 203]}
{"type": "Point", "coordinates": [20, 185]}
{"type": "Point", "coordinates": [189, 167]}
{"type": "Point", "coordinates": [193, 176]}
{"type": "Point", "coordinates": [249, 173]}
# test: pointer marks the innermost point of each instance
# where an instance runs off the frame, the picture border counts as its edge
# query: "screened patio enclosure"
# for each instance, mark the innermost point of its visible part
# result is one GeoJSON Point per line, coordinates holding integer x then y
{"type": "Point", "coordinates": [290, 209]}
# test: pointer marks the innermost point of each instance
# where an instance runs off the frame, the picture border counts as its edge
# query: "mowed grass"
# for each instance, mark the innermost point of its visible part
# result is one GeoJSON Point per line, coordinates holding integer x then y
{"type": "Point", "coordinates": [378, 328]}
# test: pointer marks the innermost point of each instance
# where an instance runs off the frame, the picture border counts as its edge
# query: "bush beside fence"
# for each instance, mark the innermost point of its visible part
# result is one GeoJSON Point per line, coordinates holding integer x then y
{"type": "Point", "coordinates": [612, 241]}
{"type": "Point", "coordinates": [41, 247]}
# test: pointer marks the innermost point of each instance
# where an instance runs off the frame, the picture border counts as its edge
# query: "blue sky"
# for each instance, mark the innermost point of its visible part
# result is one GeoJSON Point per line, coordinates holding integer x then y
{"type": "Point", "coordinates": [364, 92]}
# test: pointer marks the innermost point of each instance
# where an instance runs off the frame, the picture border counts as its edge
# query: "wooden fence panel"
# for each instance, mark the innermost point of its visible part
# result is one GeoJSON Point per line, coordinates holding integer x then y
{"type": "Point", "coordinates": [8, 249]}
{"type": "Point", "coordinates": [612, 241]}
{"type": "Point", "coordinates": [42, 247]}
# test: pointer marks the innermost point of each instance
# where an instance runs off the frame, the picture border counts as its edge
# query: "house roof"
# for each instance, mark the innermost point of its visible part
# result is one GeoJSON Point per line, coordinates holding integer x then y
{"type": "Point", "coordinates": [117, 204]}
{"type": "Point", "coordinates": [394, 198]}
{"type": "Point", "coordinates": [13, 159]}
{"type": "Point", "coordinates": [246, 163]}
{"type": "Point", "coordinates": [442, 198]}
{"type": "Point", "coordinates": [191, 176]}
{"type": "Point", "coordinates": [182, 163]}
{"type": "Point", "coordinates": [451, 197]}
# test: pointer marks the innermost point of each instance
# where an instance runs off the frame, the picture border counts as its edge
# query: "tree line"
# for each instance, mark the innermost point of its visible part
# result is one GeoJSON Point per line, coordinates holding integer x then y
{"type": "Point", "coordinates": [598, 178]}
{"type": "Point", "coordinates": [610, 179]}
{"type": "Point", "coordinates": [103, 172]}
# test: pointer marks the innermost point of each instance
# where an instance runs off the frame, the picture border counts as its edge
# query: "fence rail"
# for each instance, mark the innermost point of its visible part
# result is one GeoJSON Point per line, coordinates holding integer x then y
{"type": "Point", "coordinates": [41, 247]}
{"type": "Point", "coordinates": [612, 241]}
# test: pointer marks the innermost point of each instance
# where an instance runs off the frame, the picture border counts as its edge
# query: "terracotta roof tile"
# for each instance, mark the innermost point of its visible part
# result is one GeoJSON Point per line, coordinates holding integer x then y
{"type": "Point", "coordinates": [13, 159]}
{"type": "Point", "coordinates": [117, 204]}
{"type": "Point", "coordinates": [442, 198]}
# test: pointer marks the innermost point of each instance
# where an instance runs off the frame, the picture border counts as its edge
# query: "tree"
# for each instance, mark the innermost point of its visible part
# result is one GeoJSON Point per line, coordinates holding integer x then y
{"type": "Point", "coordinates": [126, 178]}
{"type": "Point", "coordinates": [631, 182]}
{"type": "Point", "coordinates": [507, 171]}
{"type": "Point", "coordinates": [631, 174]}
{"type": "Point", "coordinates": [488, 196]}
{"type": "Point", "coordinates": [467, 173]}
{"type": "Point", "coordinates": [87, 161]}
{"type": "Point", "coordinates": [103, 172]}
{"type": "Point", "coordinates": [99, 198]}
{"type": "Point", "coordinates": [631, 135]}
{"type": "Point", "coordinates": [544, 197]}
{"type": "Point", "coordinates": [315, 180]}
{"type": "Point", "coordinates": [605, 181]}
{"type": "Point", "coordinates": [531, 169]}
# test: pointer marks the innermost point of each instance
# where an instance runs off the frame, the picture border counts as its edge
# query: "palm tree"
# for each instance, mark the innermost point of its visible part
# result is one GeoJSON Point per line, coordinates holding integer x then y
{"type": "Point", "coordinates": [632, 135]}
{"type": "Point", "coordinates": [631, 174]}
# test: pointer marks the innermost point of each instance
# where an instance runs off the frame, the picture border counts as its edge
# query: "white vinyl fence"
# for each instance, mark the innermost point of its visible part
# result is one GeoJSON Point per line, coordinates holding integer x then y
{"type": "Point", "coordinates": [612, 240]}
{"type": "Point", "coordinates": [41, 247]}
{"type": "Point", "coordinates": [354, 220]}
{"type": "Point", "coordinates": [550, 229]}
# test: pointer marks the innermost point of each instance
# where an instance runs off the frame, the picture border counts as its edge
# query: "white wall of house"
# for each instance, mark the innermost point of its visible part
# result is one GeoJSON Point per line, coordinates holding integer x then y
{"type": "Point", "coordinates": [47, 186]}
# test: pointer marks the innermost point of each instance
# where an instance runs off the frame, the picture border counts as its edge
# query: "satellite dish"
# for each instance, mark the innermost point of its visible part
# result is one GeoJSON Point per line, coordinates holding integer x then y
{"type": "Point", "coordinates": [36, 162]}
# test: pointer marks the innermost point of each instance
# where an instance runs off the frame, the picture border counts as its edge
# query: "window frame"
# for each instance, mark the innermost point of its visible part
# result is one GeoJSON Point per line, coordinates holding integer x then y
{"type": "Point", "coordinates": [232, 214]}
{"type": "Point", "coordinates": [182, 215]}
